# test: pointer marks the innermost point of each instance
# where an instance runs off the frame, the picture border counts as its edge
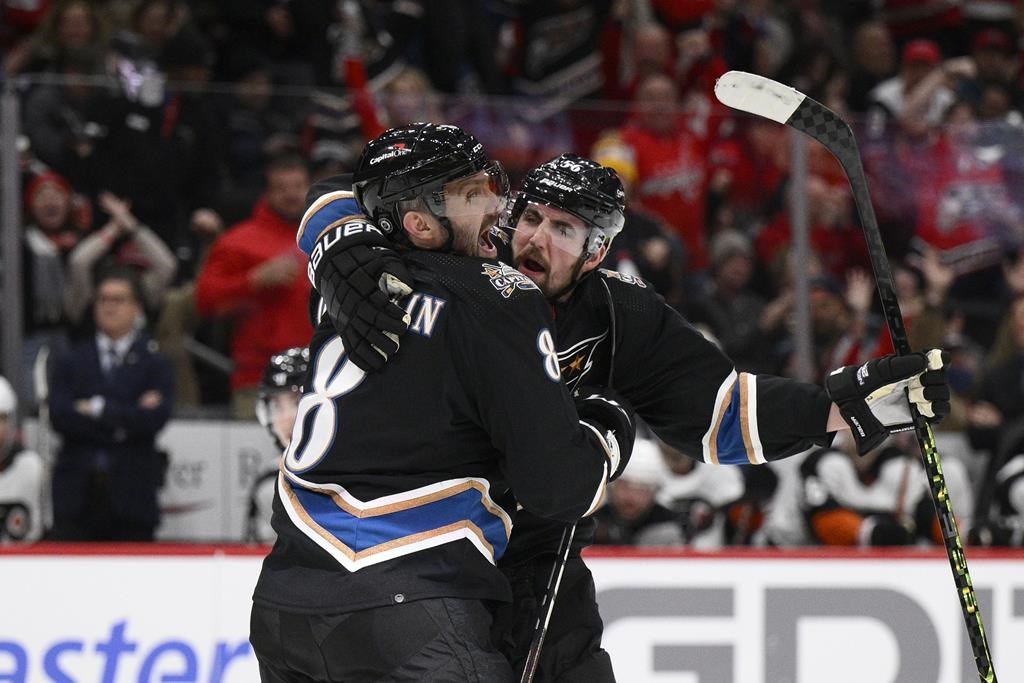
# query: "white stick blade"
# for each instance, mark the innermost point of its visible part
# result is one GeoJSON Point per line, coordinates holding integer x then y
{"type": "Point", "coordinates": [757, 95]}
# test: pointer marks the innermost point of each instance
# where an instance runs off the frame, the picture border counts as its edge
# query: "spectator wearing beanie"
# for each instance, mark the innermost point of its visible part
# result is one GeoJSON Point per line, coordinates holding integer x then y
{"type": "Point", "coordinates": [731, 308]}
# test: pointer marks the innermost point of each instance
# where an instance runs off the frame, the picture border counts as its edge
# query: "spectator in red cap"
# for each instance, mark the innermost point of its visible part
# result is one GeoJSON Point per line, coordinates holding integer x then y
{"type": "Point", "coordinates": [888, 100]}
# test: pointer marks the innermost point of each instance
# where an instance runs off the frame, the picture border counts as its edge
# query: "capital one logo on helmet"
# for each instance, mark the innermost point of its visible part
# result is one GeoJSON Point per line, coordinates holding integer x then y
{"type": "Point", "coordinates": [396, 150]}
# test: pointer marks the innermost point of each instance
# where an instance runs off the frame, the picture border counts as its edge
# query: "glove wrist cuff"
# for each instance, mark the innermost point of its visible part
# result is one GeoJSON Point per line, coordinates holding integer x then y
{"type": "Point", "coordinates": [351, 232]}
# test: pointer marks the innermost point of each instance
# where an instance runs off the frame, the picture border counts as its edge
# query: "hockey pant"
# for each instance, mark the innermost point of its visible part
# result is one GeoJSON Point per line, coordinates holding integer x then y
{"type": "Point", "coordinates": [572, 646]}
{"type": "Point", "coordinates": [438, 639]}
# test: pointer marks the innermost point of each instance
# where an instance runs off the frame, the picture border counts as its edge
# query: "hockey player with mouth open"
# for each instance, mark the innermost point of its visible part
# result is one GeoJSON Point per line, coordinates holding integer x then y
{"type": "Point", "coordinates": [396, 491]}
{"type": "Point", "coordinates": [615, 331]}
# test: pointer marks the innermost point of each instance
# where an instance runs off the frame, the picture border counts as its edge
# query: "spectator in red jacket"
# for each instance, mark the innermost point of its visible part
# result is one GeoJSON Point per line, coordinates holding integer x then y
{"type": "Point", "coordinates": [254, 273]}
{"type": "Point", "coordinates": [671, 152]}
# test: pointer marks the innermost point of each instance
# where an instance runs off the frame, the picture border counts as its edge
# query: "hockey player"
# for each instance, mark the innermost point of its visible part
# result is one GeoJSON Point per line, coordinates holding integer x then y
{"type": "Point", "coordinates": [394, 499]}
{"type": "Point", "coordinates": [614, 330]}
{"type": "Point", "coordinates": [22, 477]}
{"type": "Point", "coordinates": [276, 405]}
{"type": "Point", "coordinates": [1001, 522]}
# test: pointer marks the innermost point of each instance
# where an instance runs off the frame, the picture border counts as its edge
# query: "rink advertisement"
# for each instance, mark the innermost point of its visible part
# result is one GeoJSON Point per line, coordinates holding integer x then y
{"type": "Point", "coordinates": [180, 613]}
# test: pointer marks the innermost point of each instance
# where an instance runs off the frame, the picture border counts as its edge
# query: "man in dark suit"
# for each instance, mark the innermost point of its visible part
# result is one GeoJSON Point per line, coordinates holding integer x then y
{"type": "Point", "coordinates": [109, 397]}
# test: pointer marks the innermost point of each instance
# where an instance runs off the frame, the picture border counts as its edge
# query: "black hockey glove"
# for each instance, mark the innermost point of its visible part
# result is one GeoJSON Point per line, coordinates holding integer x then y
{"type": "Point", "coordinates": [612, 420]}
{"type": "Point", "coordinates": [359, 276]}
{"type": "Point", "coordinates": [873, 398]}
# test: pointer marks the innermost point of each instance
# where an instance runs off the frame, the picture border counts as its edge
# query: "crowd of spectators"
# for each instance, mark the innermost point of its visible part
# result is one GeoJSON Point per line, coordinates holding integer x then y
{"type": "Point", "coordinates": [176, 139]}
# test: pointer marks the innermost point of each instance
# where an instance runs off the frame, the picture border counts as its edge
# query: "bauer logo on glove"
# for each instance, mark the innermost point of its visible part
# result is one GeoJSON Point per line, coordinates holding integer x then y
{"type": "Point", "coordinates": [875, 398]}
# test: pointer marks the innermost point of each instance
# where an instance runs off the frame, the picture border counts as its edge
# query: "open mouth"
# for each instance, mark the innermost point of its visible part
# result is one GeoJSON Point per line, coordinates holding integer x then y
{"type": "Point", "coordinates": [531, 267]}
{"type": "Point", "coordinates": [484, 247]}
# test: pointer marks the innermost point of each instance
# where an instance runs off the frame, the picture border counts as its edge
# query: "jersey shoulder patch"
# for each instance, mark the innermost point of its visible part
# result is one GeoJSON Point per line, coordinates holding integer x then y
{"type": "Point", "coordinates": [622, 277]}
{"type": "Point", "coordinates": [482, 284]}
{"type": "Point", "coordinates": [506, 279]}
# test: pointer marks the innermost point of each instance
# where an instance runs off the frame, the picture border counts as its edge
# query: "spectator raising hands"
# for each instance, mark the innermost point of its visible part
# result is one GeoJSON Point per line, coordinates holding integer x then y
{"type": "Point", "coordinates": [123, 240]}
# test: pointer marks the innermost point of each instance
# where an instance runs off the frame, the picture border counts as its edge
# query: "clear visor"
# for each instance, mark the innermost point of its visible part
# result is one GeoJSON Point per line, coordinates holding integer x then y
{"type": "Point", "coordinates": [542, 228]}
{"type": "Point", "coordinates": [480, 194]}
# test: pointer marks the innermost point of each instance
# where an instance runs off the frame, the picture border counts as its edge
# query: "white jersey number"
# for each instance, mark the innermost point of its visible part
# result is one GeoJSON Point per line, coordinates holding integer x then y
{"type": "Point", "coordinates": [546, 346]}
{"type": "Point", "coordinates": [333, 377]}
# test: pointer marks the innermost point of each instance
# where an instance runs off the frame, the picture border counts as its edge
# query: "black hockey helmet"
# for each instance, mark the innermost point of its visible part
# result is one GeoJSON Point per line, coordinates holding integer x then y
{"type": "Point", "coordinates": [591, 192]}
{"type": "Point", "coordinates": [416, 162]}
{"type": "Point", "coordinates": [285, 372]}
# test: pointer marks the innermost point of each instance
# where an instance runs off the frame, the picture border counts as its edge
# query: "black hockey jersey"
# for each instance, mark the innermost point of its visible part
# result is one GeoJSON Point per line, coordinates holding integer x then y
{"type": "Point", "coordinates": [1009, 502]}
{"type": "Point", "coordinates": [399, 485]}
{"type": "Point", "coordinates": [683, 387]}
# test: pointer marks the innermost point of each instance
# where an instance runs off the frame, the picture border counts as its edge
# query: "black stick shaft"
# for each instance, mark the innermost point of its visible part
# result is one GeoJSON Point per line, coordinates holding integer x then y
{"type": "Point", "coordinates": [925, 438]}
{"type": "Point", "coordinates": [547, 607]}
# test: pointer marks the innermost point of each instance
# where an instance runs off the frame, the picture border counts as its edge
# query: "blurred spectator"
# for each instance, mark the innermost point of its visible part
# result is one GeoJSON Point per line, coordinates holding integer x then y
{"type": "Point", "coordinates": [632, 515]}
{"type": "Point", "coordinates": [123, 240]}
{"type": "Point", "coordinates": [992, 61]}
{"type": "Point", "coordinates": [50, 235]}
{"type": "Point", "coordinates": [920, 58]}
{"type": "Point", "coordinates": [457, 46]}
{"type": "Point", "coordinates": [645, 247]}
{"type": "Point", "coordinates": [699, 494]}
{"type": "Point", "coordinates": [646, 48]}
{"type": "Point", "coordinates": [256, 274]}
{"type": "Point", "coordinates": [834, 236]}
{"type": "Point", "coordinates": [872, 60]}
{"type": "Point", "coordinates": [22, 478]}
{"type": "Point", "coordinates": [19, 20]}
{"type": "Point", "coordinates": [909, 19]}
{"type": "Point", "coordinates": [60, 119]}
{"type": "Point", "coordinates": [162, 150]}
{"type": "Point", "coordinates": [922, 284]}
{"type": "Point", "coordinates": [289, 34]}
{"type": "Point", "coordinates": [999, 392]}
{"type": "Point", "coordinates": [71, 28]}
{"type": "Point", "coordinates": [109, 397]}
{"type": "Point", "coordinates": [839, 325]}
{"type": "Point", "coordinates": [729, 306]}
{"type": "Point", "coordinates": [152, 24]}
{"type": "Point", "coordinates": [671, 161]}
{"type": "Point", "coordinates": [259, 126]}
{"type": "Point", "coordinates": [409, 98]}
{"type": "Point", "coordinates": [749, 169]}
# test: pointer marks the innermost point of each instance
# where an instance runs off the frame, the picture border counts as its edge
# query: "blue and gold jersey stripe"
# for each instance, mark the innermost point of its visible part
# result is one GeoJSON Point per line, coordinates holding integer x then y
{"type": "Point", "coordinates": [358, 534]}
{"type": "Point", "coordinates": [328, 211]}
{"type": "Point", "coordinates": [733, 437]}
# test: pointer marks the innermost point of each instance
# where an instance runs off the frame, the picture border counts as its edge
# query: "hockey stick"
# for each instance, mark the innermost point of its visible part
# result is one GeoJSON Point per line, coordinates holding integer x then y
{"type": "Point", "coordinates": [547, 604]}
{"type": "Point", "coordinates": [764, 97]}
